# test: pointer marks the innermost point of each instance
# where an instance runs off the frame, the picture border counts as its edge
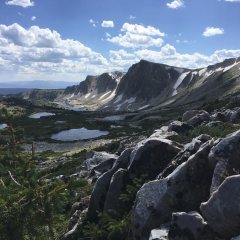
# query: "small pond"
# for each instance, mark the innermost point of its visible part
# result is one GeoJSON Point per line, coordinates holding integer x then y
{"type": "Point", "coordinates": [78, 134]}
{"type": "Point", "coordinates": [41, 114]}
{"type": "Point", "coordinates": [3, 126]}
{"type": "Point", "coordinates": [71, 108]}
{"type": "Point", "coordinates": [113, 118]}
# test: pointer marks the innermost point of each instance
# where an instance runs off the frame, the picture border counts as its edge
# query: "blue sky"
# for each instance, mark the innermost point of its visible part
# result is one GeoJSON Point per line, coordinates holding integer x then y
{"type": "Point", "coordinates": [68, 40]}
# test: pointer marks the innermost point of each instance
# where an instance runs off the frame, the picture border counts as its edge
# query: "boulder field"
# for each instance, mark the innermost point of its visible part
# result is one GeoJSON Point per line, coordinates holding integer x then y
{"type": "Point", "coordinates": [193, 191]}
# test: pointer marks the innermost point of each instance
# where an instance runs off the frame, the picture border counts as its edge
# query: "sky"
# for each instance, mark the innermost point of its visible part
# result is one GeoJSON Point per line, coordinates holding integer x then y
{"type": "Point", "coordinates": [66, 40]}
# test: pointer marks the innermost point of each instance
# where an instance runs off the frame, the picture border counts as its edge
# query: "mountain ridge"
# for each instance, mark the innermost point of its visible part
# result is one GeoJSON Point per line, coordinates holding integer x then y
{"type": "Point", "coordinates": [148, 84]}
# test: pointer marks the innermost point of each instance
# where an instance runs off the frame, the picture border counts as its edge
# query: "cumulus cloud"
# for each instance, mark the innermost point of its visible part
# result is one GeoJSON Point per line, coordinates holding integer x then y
{"type": "Point", "coordinates": [211, 31]}
{"type": "Point", "coordinates": [107, 24]}
{"type": "Point", "coordinates": [22, 3]}
{"type": "Point", "coordinates": [132, 17]}
{"type": "Point", "coordinates": [137, 36]}
{"type": "Point", "coordinates": [117, 58]}
{"type": "Point", "coordinates": [176, 4]}
{"type": "Point", "coordinates": [37, 50]}
{"type": "Point", "coordinates": [232, 0]}
{"type": "Point", "coordinates": [169, 55]}
{"type": "Point", "coordinates": [139, 29]}
{"type": "Point", "coordinates": [130, 40]}
{"type": "Point", "coordinates": [33, 18]}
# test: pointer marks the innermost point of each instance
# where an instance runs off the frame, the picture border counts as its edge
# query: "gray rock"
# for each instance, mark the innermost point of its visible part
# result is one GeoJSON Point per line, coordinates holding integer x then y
{"type": "Point", "coordinates": [163, 133]}
{"type": "Point", "coordinates": [226, 156]}
{"type": "Point", "coordinates": [205, 116]}
{"type": "Point", "coordinates": [74, 220]}
{"type": "Point", "coordinates": [235, 117]}
{"type": "Point", "coordinates": [101, 187]}
{"type": "Point", "coordinates": [212, 124]}
{"type": "Point", "coordinates": [222, 116]}
{"type": "Point", "coordinates": [82, 205]}
{"type": "Point", "coordinates": [95, 158]}
{"type": "Point", "coordinates": [189, 114]}
{"type": "Point", "coordinates": [222, 210]}
{"type": "Point", "coordinates": [193, 146]}
{"type": "Point", "coordinates": [180, 158]}
{"type": "Point", "coordinates": [204, 138]}
{"type": "Point", "coordinates": [179, 127]}
{"type": "Point", "coordinates": [160, 233]}
{"type": "Point", "coordinates": [117, 187]}
{"type": "Point", "coordinates": [101, 168]}
{"type": "Point", "coordinates": [69, 234]}
{"type": "Point", "coordinates": [186, 226]}
{"type": "Point", "coordinates": [183, 190]}
{"type": "Point", "coordinates": [236, 238]}
{"type": "Point", "coordinates": [151, 156]}
{"type": "Point", "coordinates": [129, 143]}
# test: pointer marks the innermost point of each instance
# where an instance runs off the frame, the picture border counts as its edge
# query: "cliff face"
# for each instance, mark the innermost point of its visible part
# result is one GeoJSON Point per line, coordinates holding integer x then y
{"type": "Point", "coordinates": [146, 80]}
{"type": "Point", "coordinates": [149, 84]}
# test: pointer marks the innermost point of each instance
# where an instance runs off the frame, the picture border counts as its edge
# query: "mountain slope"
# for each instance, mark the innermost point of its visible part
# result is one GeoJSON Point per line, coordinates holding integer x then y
{"type": "Point", "coordinates": [153, 85]}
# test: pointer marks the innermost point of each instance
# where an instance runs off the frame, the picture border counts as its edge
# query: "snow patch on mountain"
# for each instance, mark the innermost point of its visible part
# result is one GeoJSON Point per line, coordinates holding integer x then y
{"type": "Point", "coordinates": [119, 98]}
{"type": "Point", "coordinates": [178, 82]}
{"type": "Point", "coordinates": [105, 94]}
{"type": "Point", "coordinates": [87, 95]}
{"type": "Point", "coordinates": [143, 107]}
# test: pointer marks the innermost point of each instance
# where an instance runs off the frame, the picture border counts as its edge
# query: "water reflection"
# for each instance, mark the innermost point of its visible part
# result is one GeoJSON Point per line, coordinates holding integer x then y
{"type": "Point", "coordinates": [41, 114]}
{"type": "Point", "coordinates": [78, 134]}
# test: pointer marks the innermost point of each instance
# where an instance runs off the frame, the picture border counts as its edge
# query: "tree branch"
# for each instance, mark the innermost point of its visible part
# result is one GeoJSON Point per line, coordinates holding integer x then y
{"type": "Point", "coordinates": [14, 179]}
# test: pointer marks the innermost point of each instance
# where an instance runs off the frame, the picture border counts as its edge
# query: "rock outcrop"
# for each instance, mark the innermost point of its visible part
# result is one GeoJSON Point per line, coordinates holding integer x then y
{"type": "Point", "coordinates": [222, 210]}
{"type": "Point", "coordinates": [182, 190]}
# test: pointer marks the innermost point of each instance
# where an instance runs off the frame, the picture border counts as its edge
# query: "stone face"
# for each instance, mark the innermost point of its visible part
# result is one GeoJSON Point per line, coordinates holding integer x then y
{"type": "Point", "coordinates": [226, 154]}
{"type": "Point", "coordinates": [179, 127]}
{"type": "Point", "coordinates": [186, 226]}
{"type": "Point", "coordinates": [222, 210]}
{"type": "Point", "coordinates": [182, 190]}
{"type": "Point", "coordinates": [101, 187]}
{"type": "Point", "coordinates": [152, 156]}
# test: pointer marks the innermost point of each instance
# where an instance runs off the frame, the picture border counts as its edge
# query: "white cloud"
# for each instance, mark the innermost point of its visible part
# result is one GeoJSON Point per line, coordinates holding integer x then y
{"type": "Point", "coordinates": [132, 17]}
{"type": "Point", "coordinates": [211, 31]}
{"type": "Point", "coordinates": [232, 0]}
{"type": "Point", "coordinates": [138, 36]}
{"type": "Point", "coordinates": [139, 29]}
{"type": "Point", "coordinates": [176, 4]}
{"type": "Point", "coordinates": [33, 18]}
{"type": "Point", "coordinates": [177, 41]}
{"type": "Point", "coordinates": [22, 3]}
{"type": "Point", "coordinates": [130, 40]}
{"type": "Point", "coordinates": [21, 14]}
{"type": "Point", "coordinates": [93, 22]}
{"type": "Point", "coordinates": [169, 55]}
{"type": "Point", "coordinates": [108, 35]}
{"type": "Point", "coordinates": [33, 51]}
{"type": "Point", "coordinates": [107, 24]}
